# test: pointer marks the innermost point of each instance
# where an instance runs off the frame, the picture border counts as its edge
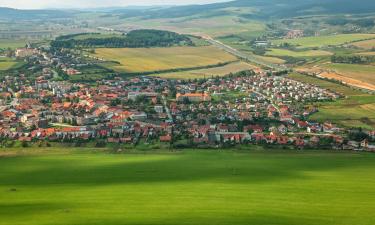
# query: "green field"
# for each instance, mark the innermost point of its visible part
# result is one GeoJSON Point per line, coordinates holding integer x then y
{"type": "Point", "coordinates": [158, 59]}
{"type": "Point", "coordinates": [7, 63]}
{"type": "Point", "coordinates": [308, 53]}
{"type": "Point", "coordinates": [355, 110]}
{"type": "Point", "coordinates": [213, 187]}
{"type": "Point", "coordinates": [13, 44]}
{"type": "Point", "coordinates": [320, 41]}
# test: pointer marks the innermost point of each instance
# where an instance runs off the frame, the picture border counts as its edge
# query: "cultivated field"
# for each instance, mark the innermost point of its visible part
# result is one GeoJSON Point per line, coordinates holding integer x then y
{"type": "Point", "coordinates": [320, 41]}
{"type": "Point", "coordinates": [368, 44]}
{"type": "Point", "coordinates": [158, 59]}
{"type": "Point", "coordinates": [362, 73]}
{"type": "Point", "coordinates": [206, 73]}
{"type": "Point", "coordinates": [189, 188]}
{"type": "Point", "coordinates": [7, 63]}
{"type": "Point", "coordinates": [308, 53]}
{"type": "Point", "coordinates": [355, 110]}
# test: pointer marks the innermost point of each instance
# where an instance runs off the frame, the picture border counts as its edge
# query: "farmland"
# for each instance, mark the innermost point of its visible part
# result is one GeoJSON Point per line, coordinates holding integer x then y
{"type": "Point", "coordinates": [308, 53]}
{"type": "Point", "coordinates": [320, 41]}
{"type": "Point", "coordinates": [216, 71]}
{"type": "Point", "coordinates": [363, 73]}
{"type": "Point", "coordinates": [368, 44]}
{"type": "Point", "coordinates": [13, 44]}
{"type": "Point", "coordinates": [158, 59]}
{"type": "Point", "coordinates": [7, 63]}
{"type": "Point", "coordinates": [356, 110]}
{"type": "Point", "coordinates": [191, 187]}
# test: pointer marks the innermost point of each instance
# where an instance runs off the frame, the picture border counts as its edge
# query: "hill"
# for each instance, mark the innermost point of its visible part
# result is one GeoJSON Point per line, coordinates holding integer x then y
{"type": "Point", "coordinates": [17, 14]}
{"type": "Point", "coordinates": [257, 9]}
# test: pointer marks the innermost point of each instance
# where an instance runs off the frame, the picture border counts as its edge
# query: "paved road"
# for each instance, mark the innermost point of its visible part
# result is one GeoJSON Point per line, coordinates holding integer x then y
{"type": "Point", "coordinates": [241, 55]}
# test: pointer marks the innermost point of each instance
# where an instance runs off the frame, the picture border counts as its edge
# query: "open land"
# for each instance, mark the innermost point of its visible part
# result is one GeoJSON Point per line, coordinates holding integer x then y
{"type": "Point", "coordinates": [158, 59]}
{"type": "Point", "coordinates": [192, 187]}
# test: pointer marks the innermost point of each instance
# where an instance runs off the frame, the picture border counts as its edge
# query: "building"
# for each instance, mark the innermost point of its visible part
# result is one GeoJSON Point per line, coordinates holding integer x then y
{"type": "Point", "coordinates": [194, 97]}
{"type": "Point", "coordinates": [25, 52]}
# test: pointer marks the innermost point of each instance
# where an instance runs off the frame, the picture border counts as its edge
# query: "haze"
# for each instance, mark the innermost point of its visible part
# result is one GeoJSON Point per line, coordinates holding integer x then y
{"type": "Point", "coordinates": [38, 4]}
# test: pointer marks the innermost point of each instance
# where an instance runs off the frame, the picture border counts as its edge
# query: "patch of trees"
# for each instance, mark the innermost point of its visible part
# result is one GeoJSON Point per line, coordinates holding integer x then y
{"type": "Point", "coordinates": [353, 59]}
{"type": "Point", "coordinates": [134, 39]}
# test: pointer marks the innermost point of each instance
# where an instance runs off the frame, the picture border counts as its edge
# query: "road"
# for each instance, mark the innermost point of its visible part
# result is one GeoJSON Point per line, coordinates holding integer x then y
{"type": "Point", "coordinates": [241, 55]}
{"type": "Point", "coordinates": [167, 109]}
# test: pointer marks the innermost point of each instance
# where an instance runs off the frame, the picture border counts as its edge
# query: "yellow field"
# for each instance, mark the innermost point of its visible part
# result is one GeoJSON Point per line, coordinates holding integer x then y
{"type": "Point", "coordinates": [364, 73]}
{"type": "Point", "coordinates": [206, 73]}
{"type": "Point", "coordinates": [158, 59]}
{"type": "Point", "coordinates": [366, 53]}
{"type": "Point", "coordinates": [309, 53]}
{"type": "Point", "coordinates": [368, 44]}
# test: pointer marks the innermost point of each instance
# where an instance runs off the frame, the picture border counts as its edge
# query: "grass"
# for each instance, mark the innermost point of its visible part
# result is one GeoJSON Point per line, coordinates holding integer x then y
{"type": "Point", "coordinates": [206, 73]}
{"type": "Point", "coordinates": [297, 54]}
{"type": "Point", "coordinates": [356, 110]}
{"type": "Point", "coordinates": [320, 41]}
{"type": "Point", "coordinates": [158, 59]}
{"type": "Point", "coordinates": [13, 44]}
{"type": "Point", "coordinates": [189, 188]}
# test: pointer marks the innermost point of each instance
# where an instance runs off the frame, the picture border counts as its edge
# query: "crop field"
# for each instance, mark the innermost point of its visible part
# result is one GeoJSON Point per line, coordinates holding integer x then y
{"type": "Point", "coordinates": [158, 59]}
{"type": "Point", "coordinates": [13, 44]}
{"type": "Point", "coordinates": [320, 41]}
{"type": "Point", "coordinates": [356, 110]}
{"type": "Point", "coordinates": [308, 53]}
{"type": "Point", "coordinates": [368, 44]}
{"type": "Point", "coordinates": [7, 63]}
{"type": "Point", "coordinates": [189, 188]}
{"type": "Point", "coordinates": [206, 73]}
{"type": "Point", "coordinates": [363, 73]}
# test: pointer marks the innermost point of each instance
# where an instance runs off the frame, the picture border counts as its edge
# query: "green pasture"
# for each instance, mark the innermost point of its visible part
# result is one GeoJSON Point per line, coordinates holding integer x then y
{"type": "Point", "coordinates": [188, 188]}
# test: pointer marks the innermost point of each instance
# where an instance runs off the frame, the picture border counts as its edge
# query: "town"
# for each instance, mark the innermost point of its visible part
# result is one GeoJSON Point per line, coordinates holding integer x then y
{"type": "Point", "coordinates": [249, 107]}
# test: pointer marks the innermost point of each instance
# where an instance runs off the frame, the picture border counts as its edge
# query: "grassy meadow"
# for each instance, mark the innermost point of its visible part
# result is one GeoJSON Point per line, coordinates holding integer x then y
{"type": "Point", "coordinates": [188, 188]}
{"type": "Point", "coordinates": [320, 41]}
{"type": "Point", "coordinates": [355, 110]}
{"type": "Point", "coordinates": [206, 73]}
{"type": "Point", "coordinates": [158, 59]}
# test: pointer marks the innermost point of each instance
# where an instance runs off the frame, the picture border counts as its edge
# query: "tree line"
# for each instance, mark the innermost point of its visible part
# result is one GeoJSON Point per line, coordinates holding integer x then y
{"type": "Point", "coordinates": [134, 39]}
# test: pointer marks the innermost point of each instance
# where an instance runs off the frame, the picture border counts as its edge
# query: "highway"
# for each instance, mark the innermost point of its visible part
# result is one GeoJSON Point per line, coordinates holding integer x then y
{"type": "Point", "coordinates": [241, 55]}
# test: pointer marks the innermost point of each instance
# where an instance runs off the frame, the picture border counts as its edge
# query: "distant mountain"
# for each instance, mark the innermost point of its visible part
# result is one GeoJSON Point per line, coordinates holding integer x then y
{"type": "Point", "coordinates": [17, 14]}
{"type": "Point", "coordinates": [262, 8]}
